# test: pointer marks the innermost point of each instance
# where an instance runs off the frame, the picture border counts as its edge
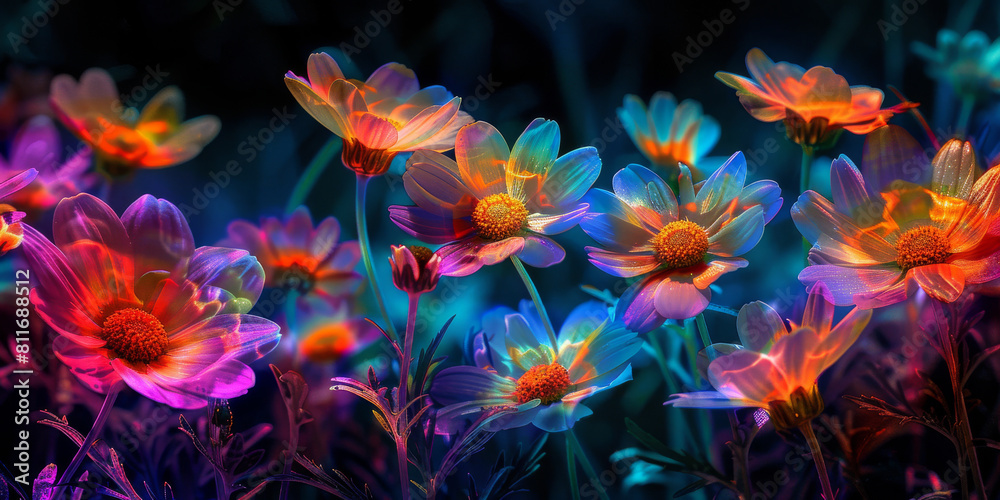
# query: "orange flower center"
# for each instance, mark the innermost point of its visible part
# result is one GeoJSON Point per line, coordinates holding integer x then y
{"type": "Point", "coordinates": [135, 335]}
{"type": "Point", "coordinates": [680, 244]}
{"type": "Point", "coordinates": [499, 216]}
{"type": "Point", "coordinates": [922, 246]}
{"type": "Point", "coordinates": [421, 254]}
{"type": "Point", "coordinates": [545, 382]}
{"type": "Point", "coordinates": [329, 343]}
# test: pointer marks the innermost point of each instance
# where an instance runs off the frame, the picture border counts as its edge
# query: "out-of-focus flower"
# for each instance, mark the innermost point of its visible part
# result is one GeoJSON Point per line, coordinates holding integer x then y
{"type": "Point", "coordinates": [517, 367]}
{"type": "Point", "coordinates": [970, 63]}
{"type": "Point", "coordinates": [299, 257]}
{"type": "Point", "coordinates": [132, 299]}
{"type": "Point", "coordinates": [11, 232]}
{"type": "Point", "coordinates": [815, 104]}
{"type": "Point", "coordinates": [332, 336]}
{"type": "Point", "coordinates": [496, 202]}
{"type": "Point", "coordinates": [668, 133]}
{"type": "Point", "coordinates": [37, 146]}
{"type": "Point", "coordinates": [776, 368]}
{"type": "Point", "coordinates": [679, 245]}
{"type": "Point", "coordinates": [872, 251]}
{"type": "Point", "coordinates": [123, 138]}
{"type": "Point", "coordinates": [415, 269]}
{"type": "Point", "coordinates": [384, 115]}
{"type": "Point", "coordinates": [25, 95]}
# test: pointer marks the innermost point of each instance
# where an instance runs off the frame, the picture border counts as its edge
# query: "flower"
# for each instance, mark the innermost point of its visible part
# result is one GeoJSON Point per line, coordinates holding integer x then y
{"type": "Point", "coordinates": [495, 202]}
{"type": "Point", "coordinates": [132, 299]}
{"type": "Point", "coordinates": [386, 114]}
{"type": "Point", "coordinates": [668, 133]}
{"type": "Point", "coordinates": [874, 250]}
{"type": "Point", "coordinates": [415, 269]}
{"type": "Point", "coordinates": [815, 104]}
{"type": "Point", "coordinates": [11, 232]}
{"type": "Point", "coordinates": [678, 245]}
{"type": "Point", "coordinates": [969, 63]}
{"type": "Point", "coordinates": [776, 368]}
{"type": "Point", "coordinates": [37, 145]}
{"type": "Point", "coordinates": [299, 257]}
{"type": "Point", "coordinates": [123, 138]}
{"type": "Point", "coordinates": [517, 367]}
{"type": "Point", "coordinates": [333, 335]}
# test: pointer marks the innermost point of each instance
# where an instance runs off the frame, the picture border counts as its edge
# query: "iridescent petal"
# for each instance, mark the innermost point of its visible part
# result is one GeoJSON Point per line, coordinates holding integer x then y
{"type": "Point", "coordinates": [955, 169]}
{"type": "Point", "coordinates": [532, 155]}
{"type": "Point", "coordinates": [944, 282]}
{"type": "Point", "coordinates": [428, 227]}
{"type": "Point", "coordinates": [568, 180]}
{"type": "Point", "coordinates": [160, 233]}
{"type": "Point", "coordinates": [482, 156]}
{"type": "Point", "coordinates": [235, 271]}
{"type": "Point", "coordinates": [434, 183]}
{"type": "Point", "coordinates": [539, 251]}
{"type": "Point", "coordinates": [679, 300]}
{"type": "Point", "coordinates": [758, 325]}
{"type": "Point", "coordinates": [624, 265]}
{"type": "Point", "coordinates": [847, 286]}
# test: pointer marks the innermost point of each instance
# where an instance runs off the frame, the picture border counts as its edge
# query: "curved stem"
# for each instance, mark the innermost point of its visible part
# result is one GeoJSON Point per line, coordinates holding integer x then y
{"type": "Point", "coordinates": [366, 256]}
{"type": "Point", "coordinates": [530, 285]}
{"type": "Point", "coordinates": [706, 339]}
{"type": "Point", "coordinates": [574, 483]}
{"type": "Point", "coordinates": [585, 462]}
{"type": "Point", "coordinates": [401, 397]}
{"type": "Point", "coordinates": [806, 168]}
{"type": "Point", "coordinates": [95, 432]}
{"type": "Point", "coordinates": [817, 455]}
{"type": "Point", "coordinates": [312, 173]}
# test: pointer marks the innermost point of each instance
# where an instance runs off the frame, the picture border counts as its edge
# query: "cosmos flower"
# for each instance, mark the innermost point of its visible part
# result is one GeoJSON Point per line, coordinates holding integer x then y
{"type": "Point", "coordinates": [496, 202]}
{"type": "Point", "coordinates": [333, 335]}
{"type": "Point", "coordinates": [37, 146]}
{"type": "Point", "coordinates": [386, 114]}
{"type": "Point", "coordinates": [415, 269]}
{"type": "Point", "coordinates": [516, 366]}
{"type": "Point", "coordinates": [873, 249]}
{"type": "Point", "coordinates": [11, 232]}
{"type": "Point", "coordinates": [776, 368]}
{"type": "Point", "coordinates": [970, 64]}
{"type": "Point", "coordinates": [815, 104]}
{"type": "Point", "coordinates": [668, 133]}
{"type": "Point", "coordinates": [678, 245]}
{"type": "Point", "coordinates": [132, 299]}
{"type": "Point", "coordinates": [123, 138]}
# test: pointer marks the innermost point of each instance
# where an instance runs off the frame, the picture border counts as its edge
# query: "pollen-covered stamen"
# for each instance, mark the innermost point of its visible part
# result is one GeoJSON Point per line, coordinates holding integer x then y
{"type": "Point", "coordinates": [499, 216]}
{"type": "Point", "coordinates": [421, 254]}
{"type": "Point", "coordinates": [135, 335]}
{"type": "Point", "coordinates": [546, 382]}
{"type": "Point", "coordinates": [922, 246]}
{"type": "Point", "coordinates": [680, 244]}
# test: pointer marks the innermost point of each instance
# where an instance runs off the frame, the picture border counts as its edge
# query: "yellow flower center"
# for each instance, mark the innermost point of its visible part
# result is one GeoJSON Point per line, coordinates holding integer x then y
{"type": "Point", "coordinates": [499, 216]}
{"type": "Point", "coordinates": [545, 382]}
{"type": "Point", "coordinates": [134, 335]}
{"type": "Point", "coordinates": [921, 246]}
{"type": "Point", "coordinates": [680, 244]}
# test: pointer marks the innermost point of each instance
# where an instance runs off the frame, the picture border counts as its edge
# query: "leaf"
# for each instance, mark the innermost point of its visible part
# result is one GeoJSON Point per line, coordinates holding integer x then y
{"type": "Point", "coordinates": [691, 488]}
{"type": "Point", "coordinates": [42, 485]}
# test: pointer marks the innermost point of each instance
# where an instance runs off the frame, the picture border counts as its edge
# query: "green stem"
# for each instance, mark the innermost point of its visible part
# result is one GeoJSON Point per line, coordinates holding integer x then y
{"type": "Point", "coordinates": [366, 256]}
{"type": "Point", "coordinates": [574, 485]}
{"type": "Point", "coordinates": [585, 462]}
{"type": "Point", "coordinates": [806, 168]}
{"type": "Point", "coordinates": [92, 436]}
{"type": "Point", "coordinates": [312, 173]}
{"type": "Point", "coordinates": [706, 339]}
{"type": "Point", "coordinates": [401, 397]}
{"type": "Point", "coordinates": [817, 455]}
{"type": "Point", "coordinates": [965, 114]}
{"type": "Point", "coordinates": [530, 285]}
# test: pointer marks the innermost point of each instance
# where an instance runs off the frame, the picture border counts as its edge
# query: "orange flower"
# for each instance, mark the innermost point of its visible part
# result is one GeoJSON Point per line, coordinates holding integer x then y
{"type": "Point", "coordinates": [815, 104]}
{"type": "Point", "coordinates": [123, 138]}
{"type": "Point", "coordinates": [669, 133]}
{"type": "Point", "coordinates": [384, 115]}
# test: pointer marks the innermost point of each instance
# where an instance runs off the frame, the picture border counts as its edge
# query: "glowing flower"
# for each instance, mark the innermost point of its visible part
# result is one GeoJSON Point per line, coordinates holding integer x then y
{"type": "Point", "coordinates": [299, 257]}
{"type": "Point", "coordinates": [11, 232]}
{"type": "Point", "coordinates": [37, 146]}
{"type": "Point", "coordinates": [517, 367]}
{"type": "Point", "coordinates": [815, 104]}
{"type": "Point", "coordinates": [678, 245]}
{"type": "Point", "coordinates": [386, 114]}
{"type": "Point", "coordinates": [669, 133]}
{"type": "Point", "coordinates": [132, 299]}
{"type": "Point", "coordinates": [970, 63]}
{"type": "Point", "coordinates": [415, 269]}
{"type": "Point", "coordinates": [777, 367]}
{"type": "Point", "coordinates": [871, 251]}
{"type": "Point", "coordinates": [333, 335]}
{"type": "Point", "coordinates": [496, 202]}
{"type": "Point", "coordinates": [123, 138]}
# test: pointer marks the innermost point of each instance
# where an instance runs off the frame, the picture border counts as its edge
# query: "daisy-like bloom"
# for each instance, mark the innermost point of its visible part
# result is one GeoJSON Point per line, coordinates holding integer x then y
{"type": "Point", "coordinates": [873, 250]}
{"type": "Point", "coordinates": [494, 202]}
{"type": "Point", "coordinates": [123, 138]}
{"type": "Point", "coordinates": [296, 256]}
{"type": "Point", "coordinates": [37, 145]}
{"type": "Point", "coordinates": [11, 232]}
{"type": "Point", "coordinates": [133, 300]}
{"type": "Point", "coordinates": [517, 367]}
{"type": "Point", "coordinates": [680, 244]}
{"type": "Point", "coordinates": [815, 104]}
{"type": "Point", "coordinates": [970, 63]}
{"type": "Point", "coordinates": [384, 115]}
{"type": "Point", "coordinates": [668, 133]}
{"type": "Point", "coordinates": [415, 269]}
{"type": "Point", "coordinates": [332, 335]}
